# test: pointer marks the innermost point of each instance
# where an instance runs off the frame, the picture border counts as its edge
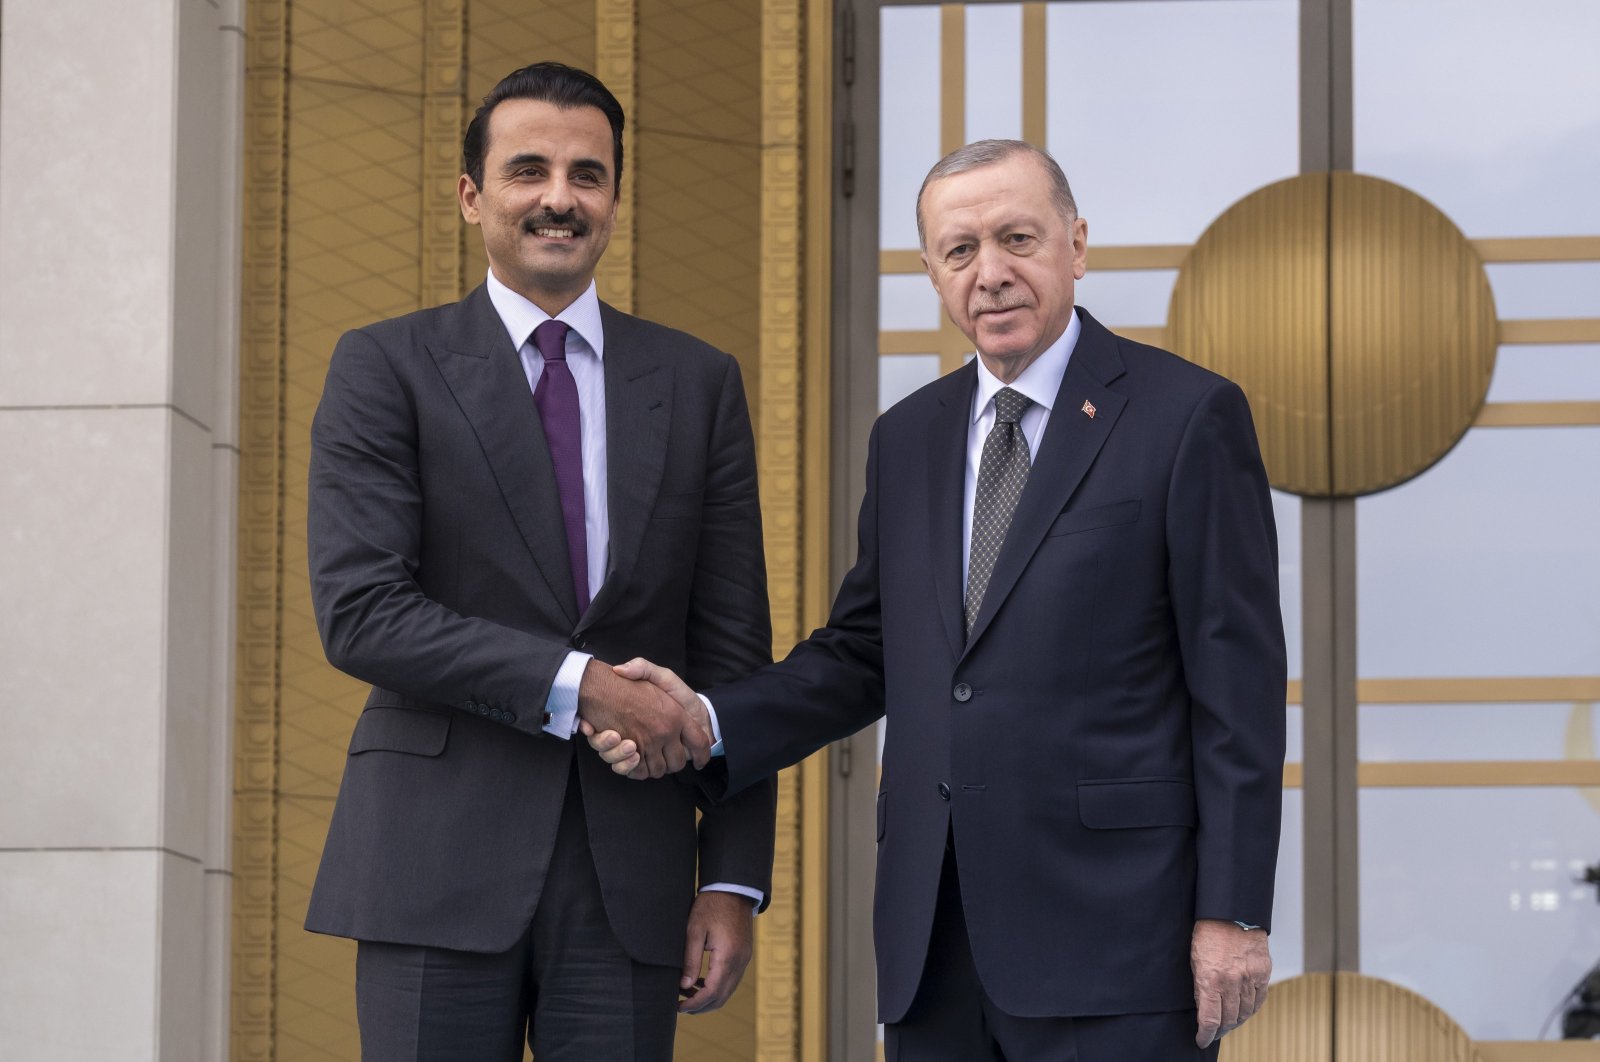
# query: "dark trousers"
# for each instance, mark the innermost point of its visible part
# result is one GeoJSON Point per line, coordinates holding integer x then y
{"type": "Point", "coordinates": [567, 987]}
{"type": "Point", "coordinates": [953, 1019]}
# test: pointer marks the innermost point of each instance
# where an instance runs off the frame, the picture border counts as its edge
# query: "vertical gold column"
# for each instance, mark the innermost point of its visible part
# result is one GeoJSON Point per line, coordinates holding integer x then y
{"type": "Point", "coordinates": [815, 584]}
{"type": "Point", "coordinates": [1034, 65]}
{"type": "Point", "coordinates": [443, 104]}
{"type": "Point", "coordinates": [780, 994]}
{"type": "Point", "coordinates": [953, 346]}
{"type": "Point", "coordinates": [616, 62]}
{"type": "Point", "coordinates": [260, 527]}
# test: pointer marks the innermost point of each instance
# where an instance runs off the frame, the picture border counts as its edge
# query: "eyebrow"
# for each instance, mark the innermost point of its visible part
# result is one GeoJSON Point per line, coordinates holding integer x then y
{"type": "Point", "coordinates": [577, 164]}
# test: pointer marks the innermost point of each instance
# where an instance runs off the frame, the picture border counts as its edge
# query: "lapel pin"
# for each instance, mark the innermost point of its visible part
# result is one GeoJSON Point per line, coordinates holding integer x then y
{"type": "Point", "coordinates": [1088, 408]}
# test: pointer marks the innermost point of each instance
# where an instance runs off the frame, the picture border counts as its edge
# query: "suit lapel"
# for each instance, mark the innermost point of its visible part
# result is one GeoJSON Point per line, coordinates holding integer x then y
{"type": "Point", "coordinates": [638, 417]}
{"type": "Point", "coordinates": [1072, 440]}
{"type": "Point", "coordinates": [481, 367]}
{"type": "Point", "coordinates": [947, 472]}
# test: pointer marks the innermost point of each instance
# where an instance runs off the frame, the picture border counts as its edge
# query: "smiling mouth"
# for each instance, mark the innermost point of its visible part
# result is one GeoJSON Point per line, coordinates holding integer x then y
{"type": "Point", "coordinates": [555, 234]}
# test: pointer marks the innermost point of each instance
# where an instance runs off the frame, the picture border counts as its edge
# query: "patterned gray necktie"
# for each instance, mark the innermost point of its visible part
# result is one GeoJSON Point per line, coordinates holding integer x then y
{"type": "Point", "coordinates": [1002, 472]}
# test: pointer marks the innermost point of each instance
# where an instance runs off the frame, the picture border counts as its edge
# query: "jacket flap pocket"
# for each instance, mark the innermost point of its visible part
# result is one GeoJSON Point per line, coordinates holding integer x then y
{"type": "Point", "coordinates": [1129, 803]}
{"type": "Point", "coordinates": [1123, 512]}
{"type": "Point", "coordinates": [419, 731]}
{"type": "Point", "coordinates": [882, 807]}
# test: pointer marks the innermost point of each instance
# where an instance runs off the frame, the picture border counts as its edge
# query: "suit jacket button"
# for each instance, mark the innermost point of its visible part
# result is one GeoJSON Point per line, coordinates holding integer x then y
{"type": "Point", "coordinates": [494, 713]}
{"type": "Point", "coordinates": [944, 790]}
{"type": "Point", "coordinates": [963, 692]}
{"type": "Point", "coordinates": [510, 717]}
{"type": "Point", "coordinates": [580, 642]}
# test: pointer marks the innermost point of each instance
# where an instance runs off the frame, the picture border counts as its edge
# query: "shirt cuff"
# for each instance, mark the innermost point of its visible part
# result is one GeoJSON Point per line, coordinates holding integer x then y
{"type": "Point", "coordinates": [562, 704]}
{"type": "Point", "coordinates": [721, 886]}
{"type": "Point", "coordinates": [716, 731]}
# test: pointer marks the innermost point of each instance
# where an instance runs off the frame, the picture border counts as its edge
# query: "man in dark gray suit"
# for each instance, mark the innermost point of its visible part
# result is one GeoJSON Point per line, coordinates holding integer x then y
{"type": "Point", "coordinates": [504, 493]}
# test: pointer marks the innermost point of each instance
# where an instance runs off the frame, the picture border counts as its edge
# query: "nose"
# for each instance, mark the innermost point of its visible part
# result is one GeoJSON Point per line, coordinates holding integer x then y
{"type": "Point", "coordinates": [994, 268]}
{"type": "Point", "coordinates": [558, 196]}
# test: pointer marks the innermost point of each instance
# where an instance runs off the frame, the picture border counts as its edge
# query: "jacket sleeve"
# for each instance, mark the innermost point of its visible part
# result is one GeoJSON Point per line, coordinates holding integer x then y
{"type": "Point", "coordinates": [829, 686]}
{"type": "Point", "coordinates": [1223, 575]}
{"type": "Point", "coordinates": [363, 536]}
{"type": "Point", "coordinates": [729, 633]}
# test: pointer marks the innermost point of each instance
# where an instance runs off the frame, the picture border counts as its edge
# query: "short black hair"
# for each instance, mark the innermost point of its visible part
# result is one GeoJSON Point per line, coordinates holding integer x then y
{"type": "Point", "coordinates": [557, 83]}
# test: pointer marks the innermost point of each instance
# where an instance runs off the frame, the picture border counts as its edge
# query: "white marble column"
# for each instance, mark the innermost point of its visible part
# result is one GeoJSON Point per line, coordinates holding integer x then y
{"type": "Point", "coordinates": [118, 462]}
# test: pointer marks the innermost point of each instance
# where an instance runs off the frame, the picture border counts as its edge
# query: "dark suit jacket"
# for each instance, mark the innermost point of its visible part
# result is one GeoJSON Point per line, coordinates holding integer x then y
{"type": "Point", "coordinates": [1107, 746]}
{"type": "Point", "coordinates": [440, 575]}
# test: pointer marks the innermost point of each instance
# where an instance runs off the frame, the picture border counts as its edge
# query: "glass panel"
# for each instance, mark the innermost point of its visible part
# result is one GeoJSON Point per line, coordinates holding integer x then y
{"type": "Point", "coordinates": [1547, 374]}
{"type": "Point", "coordinates": [901, 374]}
{"type": "Point", "coordinates": [1164, 113]}
{"type": "Point", "coordinates": [1295, 734]}
{"type": "Point", "coordinates": [1288, 898]}
{"type": "Point", "coordinates": [907, 303]}
{"type": "Point", "coordinates": [1286, 512]}
{"type": "Point", "coordinates": [1390, 732]}
{"type": "Point", "coordinates": [1468, 897]}
{"type": "Point", "coordinates": [908, 140]}
{"type": "Point", "coordinates": [1488, 109]}
{"type": "Point", "coordinates": [1485, 565]}
{"type": "Point", "coordinates": [1546, 289]}
{"type": "Point", "coordinates": [1121, 298]}
{"type": "Point", "coordinates": [994, 71]}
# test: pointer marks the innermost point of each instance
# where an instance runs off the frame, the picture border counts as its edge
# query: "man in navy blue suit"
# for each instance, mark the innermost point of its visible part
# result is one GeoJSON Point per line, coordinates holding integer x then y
{"type": "Point", "coordinates": [1066, 604]}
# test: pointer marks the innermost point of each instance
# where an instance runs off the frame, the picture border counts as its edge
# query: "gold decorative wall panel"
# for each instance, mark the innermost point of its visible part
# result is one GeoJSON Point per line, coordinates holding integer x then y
{"type": "Point", "coordinates": [355, 112]}
{"type": "Point", "coordinates": [260, 572]}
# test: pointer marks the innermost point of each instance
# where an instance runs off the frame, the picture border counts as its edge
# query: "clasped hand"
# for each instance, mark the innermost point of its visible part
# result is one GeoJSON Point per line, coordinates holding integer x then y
{"type": "Point", "coordinates": [642, 719]}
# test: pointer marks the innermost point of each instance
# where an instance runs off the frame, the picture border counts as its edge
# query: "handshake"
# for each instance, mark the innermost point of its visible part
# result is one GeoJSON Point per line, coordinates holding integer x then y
{"type": "Point", "coordinates": [643, 719]}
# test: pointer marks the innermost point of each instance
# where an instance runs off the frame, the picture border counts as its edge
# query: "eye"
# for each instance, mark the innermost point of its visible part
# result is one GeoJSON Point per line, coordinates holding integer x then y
{"type": "Point", "coordinates": [1018, 239]}
{"type": "Point", "coordinates": [585, 177]}
{"type": "Point", "coordinates": [959, 251]}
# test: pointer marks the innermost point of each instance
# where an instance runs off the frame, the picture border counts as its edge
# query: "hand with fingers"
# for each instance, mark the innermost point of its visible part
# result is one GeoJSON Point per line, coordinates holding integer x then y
{"type": "Point", "coordinates": [1232, 966]}
{"type": "Point", "coordinates": [661, 736]}
{"type": "Point", "coordinates": [717, 951]}
{"type": "Point", "coordinates": [626, 754]}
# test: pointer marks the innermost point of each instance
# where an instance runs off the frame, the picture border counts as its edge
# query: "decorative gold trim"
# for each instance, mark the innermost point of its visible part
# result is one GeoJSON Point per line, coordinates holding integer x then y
{"type": "Point", "coordinates": [1534, 1051]}
{"type": "Point", "coordinates": [816, 583]}
{"type": "Point", "coordinates": [952, 77]}
{"type": "Point", "coordinates": [443, 110]}
{"type": "Point", "coordinates": [784, 935]}
{"type": "Point", "coordinates": [1551, 330]}
{"type": "Point", "coordinates": [1293, 775]}
{"type": "Point", "coordinates": [252, 1025]}
{"type": "Point", "coordinates": [1155, 336]}
{"type": "Point", "coordinates": [616, 62]}
{"type": "Point", "coordinates": [1537, 415]}
{"type": "Point", "coordinates": [1478, 690]}
{"type": "Point", "coordinates": [898, 263]}
{"type": "Point", "coordinates": [908, 342]}
{"type": "Point", "coordinates": [1035, 64]}
{"type": "Point", "coordinates": [1539, 249]}
{"type": "Point", "coordinates": [1422, 774]}
{"type": "Point", "coordinates": [1137, 256]}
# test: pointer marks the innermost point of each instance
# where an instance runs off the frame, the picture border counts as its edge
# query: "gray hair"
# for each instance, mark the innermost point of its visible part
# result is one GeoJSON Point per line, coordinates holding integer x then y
{"type": "Point", "coordinates": [988, 152]}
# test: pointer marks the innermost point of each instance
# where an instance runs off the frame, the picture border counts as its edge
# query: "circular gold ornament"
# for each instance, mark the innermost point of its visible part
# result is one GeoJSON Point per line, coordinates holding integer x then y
{"type": "Point", "coordinates": [1356, 317]}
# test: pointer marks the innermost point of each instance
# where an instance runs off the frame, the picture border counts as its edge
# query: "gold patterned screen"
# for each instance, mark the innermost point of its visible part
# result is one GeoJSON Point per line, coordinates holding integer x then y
{"type": "Point", "coordinates": [354, 114]}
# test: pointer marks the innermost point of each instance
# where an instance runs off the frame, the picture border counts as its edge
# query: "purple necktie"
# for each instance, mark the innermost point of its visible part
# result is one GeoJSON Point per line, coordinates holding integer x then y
{"type": "Point", "coordinates": [556, 398]}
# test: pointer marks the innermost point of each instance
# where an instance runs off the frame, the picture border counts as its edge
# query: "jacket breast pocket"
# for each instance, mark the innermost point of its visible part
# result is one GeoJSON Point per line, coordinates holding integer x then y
{"type": "Point", "coordinates": [417, 731]}
{"type": "Point", "coordinates": [1075, 520]}
{"type": "Point", "coordinates": [883, 805]}
{"type": "Point", "coordinates": [1134, 803]}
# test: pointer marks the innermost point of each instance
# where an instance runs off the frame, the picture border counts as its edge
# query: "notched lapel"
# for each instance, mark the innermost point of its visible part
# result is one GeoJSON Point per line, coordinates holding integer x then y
{"type": "Point", "coordinates": [947, 476]}
{"type": "Point", "coordinates": [638, 421]}
{"type": "Point", "coordinates": [1072, 440]}
{"type": "Point", "coordinates": [483, 371]}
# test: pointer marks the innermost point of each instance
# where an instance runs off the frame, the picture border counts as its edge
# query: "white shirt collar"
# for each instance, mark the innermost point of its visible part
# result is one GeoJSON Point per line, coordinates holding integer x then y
{"type": "Point", "coordinates": [1040, 381]}
{"type": "Point", "coordinates": [521, 317]}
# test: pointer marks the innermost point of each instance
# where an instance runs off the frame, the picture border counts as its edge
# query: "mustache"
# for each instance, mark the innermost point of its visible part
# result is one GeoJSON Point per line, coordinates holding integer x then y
{"type": "Point", "coordinates": [548, 219]}
{"type": "Point", "coordinates": [997, 305]}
